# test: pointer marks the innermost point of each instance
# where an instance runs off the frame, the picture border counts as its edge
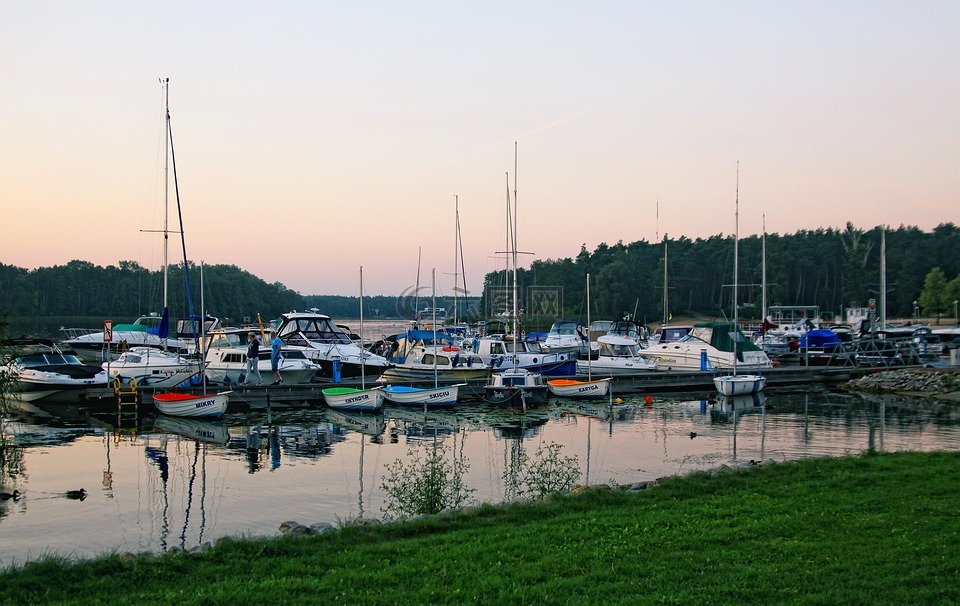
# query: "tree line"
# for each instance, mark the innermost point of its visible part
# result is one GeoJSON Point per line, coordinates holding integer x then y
{"type": "Point", "coordinates": [831, 268]}
{"type": "Point", "coordinates": [827, 267]}
{"type": "Point", "coordinates": [80, 289]}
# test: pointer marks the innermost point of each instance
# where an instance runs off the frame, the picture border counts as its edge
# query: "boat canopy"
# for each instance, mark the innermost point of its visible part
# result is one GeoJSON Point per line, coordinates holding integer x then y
{"type": "Point", "coordinates": [820, 338]}
{"type": "Point", "coordinates": [722, 336]}
{"type": "Point", "coordinates": [566, 327]}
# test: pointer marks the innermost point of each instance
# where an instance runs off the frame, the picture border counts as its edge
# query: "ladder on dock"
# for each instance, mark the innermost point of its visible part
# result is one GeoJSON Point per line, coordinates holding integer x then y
{"type": "Point", "coordinates": [128, 403]}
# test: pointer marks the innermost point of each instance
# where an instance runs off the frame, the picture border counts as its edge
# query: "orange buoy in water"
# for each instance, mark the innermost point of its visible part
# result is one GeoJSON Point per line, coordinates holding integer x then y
{"type": "Point", "coordinates": [648, 399]}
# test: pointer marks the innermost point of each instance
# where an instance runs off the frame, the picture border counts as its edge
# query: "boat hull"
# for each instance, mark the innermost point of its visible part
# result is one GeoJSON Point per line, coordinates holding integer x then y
{"type": "Point", "coordinates": [571, 388]}
{"type": "Point", "coordinates": [193, 406]}
{"type": "Point", "coordinates": [429, 397]}
{"type": "Point", "coordinates": [514, 396]}
{"type": "Point", "coordinates": [213, 432]}
{"type": "Point", "coordinates": [739, 385]}
{"type": "Point", "coordinates": [358, 400]}
{"type": "Point", "coordinates": [615, 367]}
{"type": "Point", "coordinates": [425, 374]}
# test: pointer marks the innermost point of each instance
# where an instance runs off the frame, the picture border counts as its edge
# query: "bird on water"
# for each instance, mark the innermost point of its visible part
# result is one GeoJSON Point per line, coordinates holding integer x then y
{"type": "Point", "coordinates": [76, 494]}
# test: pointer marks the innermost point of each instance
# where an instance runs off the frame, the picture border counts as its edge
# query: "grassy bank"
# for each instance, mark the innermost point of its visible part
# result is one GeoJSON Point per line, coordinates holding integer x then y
{"type": "Point", "coordinates": [871, 529]}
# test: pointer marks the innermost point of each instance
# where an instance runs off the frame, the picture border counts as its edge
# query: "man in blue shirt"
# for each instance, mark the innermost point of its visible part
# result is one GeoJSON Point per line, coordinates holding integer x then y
{"type": "Point", "coordinates": [275, 346]}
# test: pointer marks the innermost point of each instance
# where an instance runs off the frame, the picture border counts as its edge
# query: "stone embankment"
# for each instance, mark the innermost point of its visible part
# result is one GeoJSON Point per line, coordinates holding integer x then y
{"type": "Point", "coordinates": [942, 382]}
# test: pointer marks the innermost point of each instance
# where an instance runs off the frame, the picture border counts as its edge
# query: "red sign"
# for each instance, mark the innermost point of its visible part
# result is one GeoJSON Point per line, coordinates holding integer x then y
{"type": "Point", "coordinates": [107, 331]}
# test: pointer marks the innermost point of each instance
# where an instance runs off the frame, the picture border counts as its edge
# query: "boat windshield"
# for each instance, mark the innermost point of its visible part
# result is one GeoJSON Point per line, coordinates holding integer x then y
{"type": "Point", "coordinates": [318, 330]}
{"type": "Point", "coordinates": [618, 350]}
{"type": "Point", "coordinates": [35, 360]}
{"type": "Point", "coordinates": [224, 340]}
{"type": "Point", "coordinates": [624, 328]}
{"type": "Point", "coordinates": [563, 329]}
{"type": "Point", "coordinates": [699, 333]}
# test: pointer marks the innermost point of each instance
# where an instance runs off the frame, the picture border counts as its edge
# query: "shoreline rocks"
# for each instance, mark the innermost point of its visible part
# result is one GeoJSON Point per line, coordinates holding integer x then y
{"type": "Point", "coordinates": [943, 382]}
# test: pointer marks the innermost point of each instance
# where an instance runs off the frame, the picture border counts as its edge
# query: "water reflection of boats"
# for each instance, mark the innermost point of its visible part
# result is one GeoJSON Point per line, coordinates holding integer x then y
{"type": "Point", "coordinates": [214, 432]}
{"type": "Point", "coordinates": [519, 428]}
{"type": "Point", "coordinates": [742, 403]}
{"type": "Point", "coordinates": [604, 411]}
{"type": "Point", "coordinates": [421, 424]}
{"type": "Point", "coordinates": [368, 424]}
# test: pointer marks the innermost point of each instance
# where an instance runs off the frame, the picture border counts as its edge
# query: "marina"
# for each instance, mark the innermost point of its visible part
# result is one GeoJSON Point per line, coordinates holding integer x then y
{"type": "Point", "coordinates": [301, 395]}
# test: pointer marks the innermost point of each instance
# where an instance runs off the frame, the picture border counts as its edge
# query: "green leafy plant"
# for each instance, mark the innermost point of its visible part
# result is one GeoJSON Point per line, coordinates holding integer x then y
{"type": "Point", "coordinates": [427, 484]}
{"type": "Point", "coordinates": [546, 473]}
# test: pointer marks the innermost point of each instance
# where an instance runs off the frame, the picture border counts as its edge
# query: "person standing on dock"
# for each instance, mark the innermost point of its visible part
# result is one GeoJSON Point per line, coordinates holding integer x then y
{"type": "Point", "coordinates": [253, 361]}
{"type": "Point", "coordinates": [276, 346]}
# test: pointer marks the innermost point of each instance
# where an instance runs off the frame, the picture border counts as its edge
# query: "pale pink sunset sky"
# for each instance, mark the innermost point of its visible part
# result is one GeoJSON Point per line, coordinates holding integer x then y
{"type": "Point", "coordinates": [316, 137]}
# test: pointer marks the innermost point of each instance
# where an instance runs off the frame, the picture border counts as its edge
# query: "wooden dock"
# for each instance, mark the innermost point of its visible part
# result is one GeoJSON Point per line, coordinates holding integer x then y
{"type": "Point", "coordinates": [307, 395]}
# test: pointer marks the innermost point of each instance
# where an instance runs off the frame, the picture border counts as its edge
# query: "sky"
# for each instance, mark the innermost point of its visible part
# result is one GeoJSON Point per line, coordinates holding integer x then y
{"type": "Point", "coordinates": [316, 137]}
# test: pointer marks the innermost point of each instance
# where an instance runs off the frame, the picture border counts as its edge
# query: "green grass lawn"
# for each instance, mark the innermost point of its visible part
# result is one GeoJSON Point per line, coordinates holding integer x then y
{"type": "Point", "coordinates": [872, 529]}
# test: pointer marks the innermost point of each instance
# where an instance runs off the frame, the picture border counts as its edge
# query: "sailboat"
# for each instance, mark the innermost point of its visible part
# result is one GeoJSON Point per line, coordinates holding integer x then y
{"type": "Point", "coordinates": [149, 366]}
{"type": "Point", "coordinates": [573, 388]}
{"type": "Point", "coordinates": [438, 396]}
{"type": "Point", "coordinates": [515, 386]}
{"type": "Point", "coordinates": [181, 404]}
{"type": "Point", "coordinates": [738, 384]}
{"type": "Point", "coordinates": [351, 398]}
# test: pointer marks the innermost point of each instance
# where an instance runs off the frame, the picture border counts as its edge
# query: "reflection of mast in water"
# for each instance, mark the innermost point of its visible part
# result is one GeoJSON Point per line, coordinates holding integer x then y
{"type": "Point", "coordinates": [159, 456]}
{"type": "Point", "coordinates": [763, 430]}
{"type": "Point", "coordinates": [363, 441]}
{"type": "Point", "coordinates": [107, 480]}
{"type": "Point", "coordinates": [186, 514]}
{"type": "Point", "coordinates": [589, 424]}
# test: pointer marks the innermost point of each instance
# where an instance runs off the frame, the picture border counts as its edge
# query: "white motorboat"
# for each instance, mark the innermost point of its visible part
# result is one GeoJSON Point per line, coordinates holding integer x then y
{"type": "Point", "coordinates": [567, 336]}
{"type": "Point", "coordinates": [41, 372]}
{"type": "Point", "coordinates": [617, 356]}
{"type": "Point", "coordinates": [152, 367]}
{"type": "Point", "coordinates": [324, 343]}
{"type": "Point", "coordinates": [709, 346]}
{"type": "Point", "coordinates": [226, 359]}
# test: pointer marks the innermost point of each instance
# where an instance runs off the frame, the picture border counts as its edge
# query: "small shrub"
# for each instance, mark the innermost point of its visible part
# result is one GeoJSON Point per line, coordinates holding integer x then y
{"type": "Point", "coordinates": [427, 485]}
{"type": "Point", "coordinates": [546, 473]}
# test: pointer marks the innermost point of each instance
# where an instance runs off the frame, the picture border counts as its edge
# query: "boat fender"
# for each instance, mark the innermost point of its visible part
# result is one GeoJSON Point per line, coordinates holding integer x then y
{"type": "Point", "coordinates": [456, 360]}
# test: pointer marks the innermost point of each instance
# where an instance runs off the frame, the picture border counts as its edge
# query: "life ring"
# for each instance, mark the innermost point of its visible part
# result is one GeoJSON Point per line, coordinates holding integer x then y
{"type": "Point", "coordinates": [450, 348]}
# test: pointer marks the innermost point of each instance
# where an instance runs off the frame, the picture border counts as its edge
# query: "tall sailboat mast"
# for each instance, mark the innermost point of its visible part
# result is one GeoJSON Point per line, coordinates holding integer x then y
{"type": "Point", "coordinates": [763, 290]}
{"type": "Point", "coordinates": [166, 185]}
{"type": "Point", "coordinates": [516, 286]}
{"type": "Point", "coordinates": [456, 253]}
{"type": "Point", "coordinates": [736, 266]}
{"type": "Point", "coordinates": [666, 312]}
{"type": "Point", "coordinates": [883, 277]}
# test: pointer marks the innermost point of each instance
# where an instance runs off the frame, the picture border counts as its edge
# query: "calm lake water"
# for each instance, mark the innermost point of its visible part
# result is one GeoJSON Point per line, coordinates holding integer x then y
{"type": "Point", "coordinates": [154, 482]}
